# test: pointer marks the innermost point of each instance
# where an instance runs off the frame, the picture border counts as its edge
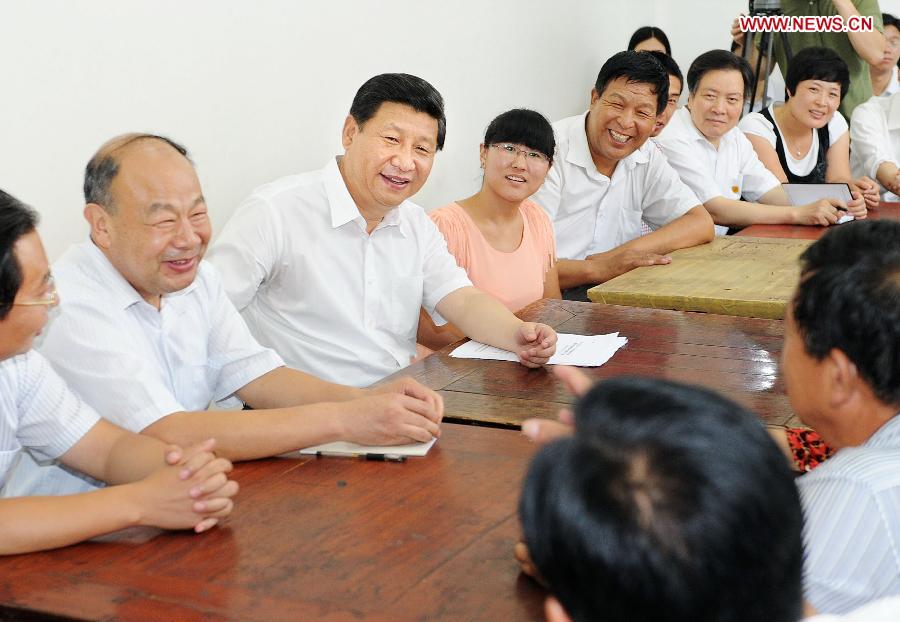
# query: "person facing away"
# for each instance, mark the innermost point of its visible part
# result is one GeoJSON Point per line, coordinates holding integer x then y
{"type": "Point", "coordinates": [653, 510]}
{"type": "Point", "coordinates": [331, 267]}
{"type": "Point", "coordinates": [158, 485]}
{"type": "Point", "coordinates": [806, 140]}
{"type": "Point", "coordinates": [713, 157]}
{"type": "Point", "coordinates": [503, 240]}
{"type": "Point", "coordinates": [605, 180]}
{"type": "Point", "coordinates": [148, 337]}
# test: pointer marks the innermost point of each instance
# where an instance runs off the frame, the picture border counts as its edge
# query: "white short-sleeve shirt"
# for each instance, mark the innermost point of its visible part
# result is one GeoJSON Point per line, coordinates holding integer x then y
{"type": "Point", "coordinates": [311, 283]}
{"type": "Point", "coordinates": [851, 507]}
{"type": "Point", "coordinates": [875, 137]}
{"type": "Point", "coordinates": [756, 124]}
{"type": "Point", "coordinates": [135, 364]}
{"type": "Point", "coordinates": [38, 412]}
{"type": "Point", "coordinates": [593, 213]}
{"type": "Point", "coordinates": [731, 171]}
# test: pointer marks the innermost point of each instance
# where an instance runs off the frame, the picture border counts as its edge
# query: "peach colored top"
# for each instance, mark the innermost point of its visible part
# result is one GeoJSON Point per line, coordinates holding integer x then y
{"type": "Point", "coordinates": [515, 278]}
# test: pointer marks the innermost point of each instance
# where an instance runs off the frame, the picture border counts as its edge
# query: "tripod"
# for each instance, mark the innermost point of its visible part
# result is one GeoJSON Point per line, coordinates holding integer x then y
{"type": "Point", "coordinates": [765, 52]}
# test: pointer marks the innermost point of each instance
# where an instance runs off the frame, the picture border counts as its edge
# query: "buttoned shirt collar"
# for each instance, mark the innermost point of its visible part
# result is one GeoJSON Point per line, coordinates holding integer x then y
{"type": "Point", "coordinates": [122, 294]}
{"type": "Point", "coordinates": [342, 206]}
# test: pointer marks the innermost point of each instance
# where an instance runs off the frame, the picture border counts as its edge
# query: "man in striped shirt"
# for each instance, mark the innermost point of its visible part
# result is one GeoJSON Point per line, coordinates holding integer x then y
{"type": "Point", "coordinates": [841, 362]}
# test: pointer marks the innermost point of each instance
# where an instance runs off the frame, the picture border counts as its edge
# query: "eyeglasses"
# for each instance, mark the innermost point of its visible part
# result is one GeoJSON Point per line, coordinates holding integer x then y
{"type": "Point", "coordinates": [48, 299]}
{"type": "Point", "coordinates": [511, 152]}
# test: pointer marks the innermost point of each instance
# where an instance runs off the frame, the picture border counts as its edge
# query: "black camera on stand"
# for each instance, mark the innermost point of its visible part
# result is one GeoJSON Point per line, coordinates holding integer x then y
{"type": "Point", "coordinates": [763, 8]}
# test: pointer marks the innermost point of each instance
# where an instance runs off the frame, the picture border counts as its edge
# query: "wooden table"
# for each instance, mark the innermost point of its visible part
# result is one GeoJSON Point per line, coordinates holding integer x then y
{"type": "Point", "coordinates": [889, 211]}
{"type": "Point", "coordinates": [736, 356]}
{"type": "Point", "coordinates": [751, 277]}
{"type": "Point", "coordinates": [314, 539]}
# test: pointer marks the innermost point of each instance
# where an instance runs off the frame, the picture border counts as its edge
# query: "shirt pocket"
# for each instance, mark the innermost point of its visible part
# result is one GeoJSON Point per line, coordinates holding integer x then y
{"type": "Point", "coordinates": [404, 304]}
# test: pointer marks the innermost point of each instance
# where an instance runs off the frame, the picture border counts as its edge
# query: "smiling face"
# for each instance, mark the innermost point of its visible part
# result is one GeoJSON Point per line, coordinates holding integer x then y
{"type": "Point", "coordinates": [388, 158]}
{"type": "Point", "coordinates": [24, 322]}
{"type": "Point", "coordinates": [671, 105]}
{"type": "Point", "coordinates": [619, 122]}
{"type": "Point", "coordinates": [513, 176]}
{"type": "Point", "coordinates": [814, 102]}
{"type": "Point", "coordinates": [159, 228]}
{"type": "Point", "coordinates": [717, 103]}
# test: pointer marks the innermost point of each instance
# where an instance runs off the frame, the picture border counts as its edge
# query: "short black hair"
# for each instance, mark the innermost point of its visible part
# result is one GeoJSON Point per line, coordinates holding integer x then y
{"type": "Point", "coordinates": [848, 299]}
{"type": "Point", "coordinates": [103, 168]}
{"type": "Point", "coordinates": [669, 65]}
{"type": "Point", "coordinates": [16, 220]}
{"type": "Point", "coordinates": [649, 32]}
{"type": "Point", "coordinates": [656, 507]}
{"type": "Point", "coordinates": [522, 127]}
{"type": "Point", "coordinates": [719, 60]}
{"type": "Point", "coordinates": [399, 88]}
{"type": "Point", "coordinates": [889, 20]}
{"type": "Point", "coordinates": [817, 63]}
{"type": "Point", "coordinates": [636, 67]}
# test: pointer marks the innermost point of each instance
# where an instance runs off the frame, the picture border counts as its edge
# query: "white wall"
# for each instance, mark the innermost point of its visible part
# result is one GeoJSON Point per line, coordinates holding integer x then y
{"type": "Point", "coordinates": [259, 89]}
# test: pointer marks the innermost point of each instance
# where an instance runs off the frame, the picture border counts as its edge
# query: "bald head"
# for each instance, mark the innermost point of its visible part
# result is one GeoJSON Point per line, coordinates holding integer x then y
{"type": "Point", "coordinates": [104, 165]}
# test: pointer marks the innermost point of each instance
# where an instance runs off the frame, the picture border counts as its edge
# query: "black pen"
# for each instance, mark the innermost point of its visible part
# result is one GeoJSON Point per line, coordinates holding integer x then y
{"type": "Point", "coordinates": [362, 456]}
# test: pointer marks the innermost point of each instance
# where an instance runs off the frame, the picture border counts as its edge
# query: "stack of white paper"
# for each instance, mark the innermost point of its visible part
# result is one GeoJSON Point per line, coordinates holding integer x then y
{"type": "Point", "coordinates": [577, 350]}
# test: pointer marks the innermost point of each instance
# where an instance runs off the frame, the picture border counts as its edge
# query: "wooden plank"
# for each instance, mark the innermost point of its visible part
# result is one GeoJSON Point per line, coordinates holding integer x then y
{"type": "Point", "coordinates": [751, 277]}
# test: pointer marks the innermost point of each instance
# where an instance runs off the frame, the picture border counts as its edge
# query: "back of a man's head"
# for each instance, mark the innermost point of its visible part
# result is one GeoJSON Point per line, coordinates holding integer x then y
{"type": "Point", "coordinates": [848, 299]}
{"type": "Point", "coordinates": [670, 503]}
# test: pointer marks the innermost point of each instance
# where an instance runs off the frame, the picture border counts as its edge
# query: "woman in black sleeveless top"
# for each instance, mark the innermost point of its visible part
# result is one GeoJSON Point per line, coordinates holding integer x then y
{"type": "Point", "coordinates": [804, 151]}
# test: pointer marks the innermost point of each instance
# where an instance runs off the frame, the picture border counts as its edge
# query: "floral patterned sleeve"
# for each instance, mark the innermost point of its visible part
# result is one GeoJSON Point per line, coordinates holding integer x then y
{"type": "Point", "coordinates": [807, 449]}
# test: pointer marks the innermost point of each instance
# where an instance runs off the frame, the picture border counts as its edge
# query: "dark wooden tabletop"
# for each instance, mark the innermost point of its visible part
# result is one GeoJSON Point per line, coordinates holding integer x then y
{"type": "Point", "coordinates": [734, 355]}
{"type": "Point", "coordinates": [799, 232]}
{"type": "Point", "coordinates": [314, 539]}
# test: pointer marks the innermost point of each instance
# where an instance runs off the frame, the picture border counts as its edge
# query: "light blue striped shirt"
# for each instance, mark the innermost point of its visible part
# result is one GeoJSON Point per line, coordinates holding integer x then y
{"type": "Point", "coordinates": [852, 530]}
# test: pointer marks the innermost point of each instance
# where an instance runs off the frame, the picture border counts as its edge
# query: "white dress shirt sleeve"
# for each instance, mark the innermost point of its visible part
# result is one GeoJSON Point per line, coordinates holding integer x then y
{"type": "Point", "coordinates": [756, 179]}
{"type": "Point", "coordinates": [247, 250]}
{"type": "Point", "coordinates": [849, 552]}
{"type": "Point", "coordinates": [441, 274]}
{"type": "Point", "coordinates": [870, 139]}
{"type": "Point", "coordinates": [666, 197]}
{"type": "Point", "coordinates": [235, 357]}
{"type": "Point", "coordinates": [51, 418]}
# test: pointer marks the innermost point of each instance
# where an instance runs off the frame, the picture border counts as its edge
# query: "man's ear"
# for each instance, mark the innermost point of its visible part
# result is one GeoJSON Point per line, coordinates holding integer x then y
{"type": "Point", "coordinates": [594, 96]}
{"type": "Point", "coordinates": [100, 222]}
{"type": "Point", "coordinates": [843, 378]}
{"type": "Point", "coordinates": [554, 611]}
{"type": "Point", "coordinates": [351, 129]}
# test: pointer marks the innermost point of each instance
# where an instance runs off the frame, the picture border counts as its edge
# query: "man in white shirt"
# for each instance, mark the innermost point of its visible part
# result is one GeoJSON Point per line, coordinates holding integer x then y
{"type": "Point", "coordinates": [717, 161]}
{"type": "Point", "coordinates": [148, 337]}
{"type": "Point", "coordinates": [884, 73]}
{"type": "Point", "coordinates": [841, 361]}
{"type": "Point", "coordinates": [875, 137]}
{"type": "Point", "coordinates": [161, 486]}
{"type": "Point", "coordinates": [331, 267]}
{"type": "Point", "coordinates": [605, 179]}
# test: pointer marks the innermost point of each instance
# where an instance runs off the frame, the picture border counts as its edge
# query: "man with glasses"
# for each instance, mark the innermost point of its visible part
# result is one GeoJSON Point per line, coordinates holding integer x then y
{"type": "Point", "coordinates": [605, 180]}
{"type": "Point", "coordinates": [161, 486]}
{"type": "Point", "coordinates": [330, 268]}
